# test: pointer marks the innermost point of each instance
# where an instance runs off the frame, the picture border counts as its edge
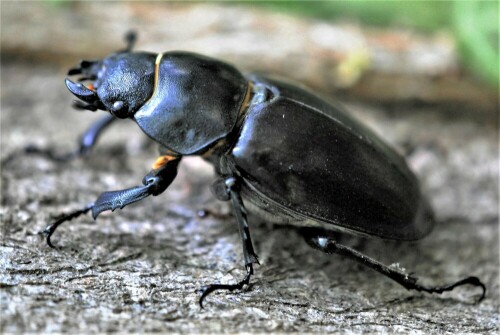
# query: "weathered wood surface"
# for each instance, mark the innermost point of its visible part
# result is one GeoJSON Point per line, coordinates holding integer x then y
{"type": "Point", "coordinates": [137, 270]}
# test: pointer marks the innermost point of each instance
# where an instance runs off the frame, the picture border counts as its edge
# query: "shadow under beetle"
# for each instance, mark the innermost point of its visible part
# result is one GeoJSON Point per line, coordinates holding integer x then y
{"type": "Point", "coordinates": [293, 157]}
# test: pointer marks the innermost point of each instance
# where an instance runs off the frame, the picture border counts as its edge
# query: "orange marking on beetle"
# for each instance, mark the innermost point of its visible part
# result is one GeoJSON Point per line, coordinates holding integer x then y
{"type": "Point", "coordinates": [248, 94]}
{"type": "Point", "coordinates": [91, 87]}
{"type": "Point", "coordinates": [157, 75]}
{"type": "Point", "coordinates": [162, 161]}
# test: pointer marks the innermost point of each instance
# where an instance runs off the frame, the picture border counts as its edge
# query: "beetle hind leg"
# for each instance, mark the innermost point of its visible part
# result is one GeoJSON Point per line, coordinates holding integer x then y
{"type": "Point", "coordinates": [319, 241]}
{"type": "Point", "coordinates": [227, 189]}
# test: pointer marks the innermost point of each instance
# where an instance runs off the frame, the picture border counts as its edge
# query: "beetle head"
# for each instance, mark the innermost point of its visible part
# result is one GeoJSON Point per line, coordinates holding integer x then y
{"type": "Point", "coordinates": [120, 83]}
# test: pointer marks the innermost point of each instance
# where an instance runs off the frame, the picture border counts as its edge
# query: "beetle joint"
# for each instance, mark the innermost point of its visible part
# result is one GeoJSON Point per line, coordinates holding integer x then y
{"type": "Point", "coordinates": [230, 182]}
{"type": "Point", "coordinates": [162, 161]}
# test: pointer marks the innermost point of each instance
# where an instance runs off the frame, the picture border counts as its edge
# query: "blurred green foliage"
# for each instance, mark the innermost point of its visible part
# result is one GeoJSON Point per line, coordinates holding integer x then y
{"type": "Point", "coordinates": [59, 3]}
{"type": "Point", "coordinates": [474, 24]}
{"type": "Point", "coordinates": [476, 28]}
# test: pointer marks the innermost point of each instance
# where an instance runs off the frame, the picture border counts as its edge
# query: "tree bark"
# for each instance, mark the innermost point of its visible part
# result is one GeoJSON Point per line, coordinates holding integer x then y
{"type": "Point", "coordinates": [138, 269]}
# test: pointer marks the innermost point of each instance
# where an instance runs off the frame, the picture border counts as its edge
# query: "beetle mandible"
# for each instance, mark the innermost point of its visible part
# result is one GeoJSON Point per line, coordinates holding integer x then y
{"type": "Point", "coordinates": [293, 157]}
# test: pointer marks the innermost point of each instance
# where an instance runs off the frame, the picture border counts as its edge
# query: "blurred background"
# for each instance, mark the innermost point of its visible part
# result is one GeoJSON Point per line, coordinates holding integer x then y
{"type": "Point", "coordinates": [443, 51]}
{"type": "Point", "coordinates": [423, 74]}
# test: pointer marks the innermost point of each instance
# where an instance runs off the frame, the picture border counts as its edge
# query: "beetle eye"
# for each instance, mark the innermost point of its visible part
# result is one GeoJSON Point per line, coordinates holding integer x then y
{"type": "Point", "coordinates": [119, 110]}
{"type": "Point", "coordinates": [117, 105]}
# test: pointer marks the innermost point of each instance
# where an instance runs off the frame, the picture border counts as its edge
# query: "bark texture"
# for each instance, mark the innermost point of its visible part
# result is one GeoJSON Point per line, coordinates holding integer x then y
{"type": "Point", "coordinates": [137, 270]}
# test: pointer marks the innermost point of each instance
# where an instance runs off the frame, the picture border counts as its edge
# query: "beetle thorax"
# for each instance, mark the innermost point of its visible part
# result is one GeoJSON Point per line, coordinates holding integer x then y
{"type": "Point", "coordinates": [195, 103]}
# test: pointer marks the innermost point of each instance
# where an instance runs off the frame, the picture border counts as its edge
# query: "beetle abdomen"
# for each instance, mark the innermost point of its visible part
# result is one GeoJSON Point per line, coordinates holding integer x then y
{"type": "Point", "coordinates": [309, 157]}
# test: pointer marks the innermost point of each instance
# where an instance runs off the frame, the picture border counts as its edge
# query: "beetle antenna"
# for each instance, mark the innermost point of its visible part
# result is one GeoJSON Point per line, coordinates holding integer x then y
{"type": "Point", "coordinates": [130, 39]}
{"type": "Point", "coordinates": [83, 67]}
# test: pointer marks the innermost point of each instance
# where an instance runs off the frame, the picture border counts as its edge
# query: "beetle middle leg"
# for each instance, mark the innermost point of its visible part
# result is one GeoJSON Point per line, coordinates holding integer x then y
{"type": "Point", "coordinates": [154, 183]}
{"type": "Point", "coordinates": [228, 189]}
{"type": "Point", "coordinates": [318, 239]}
{"type": "Point", "coordinates": [85, 144]}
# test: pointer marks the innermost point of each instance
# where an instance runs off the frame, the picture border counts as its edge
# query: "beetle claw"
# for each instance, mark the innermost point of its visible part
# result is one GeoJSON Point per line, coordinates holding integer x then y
{"type": "Point", "coordinates": [47, 233]}
{"type": "Point", "coordinates": [81, 92]}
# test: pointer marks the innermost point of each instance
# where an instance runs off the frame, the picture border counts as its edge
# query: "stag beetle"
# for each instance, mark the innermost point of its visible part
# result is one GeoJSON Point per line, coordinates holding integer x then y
{"type": "Point", "coordinates": [291, 156]}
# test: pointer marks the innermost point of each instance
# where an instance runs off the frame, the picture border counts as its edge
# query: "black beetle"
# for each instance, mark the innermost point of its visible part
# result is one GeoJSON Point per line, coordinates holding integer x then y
{"type": "Point", "coordinates": [293, 157]}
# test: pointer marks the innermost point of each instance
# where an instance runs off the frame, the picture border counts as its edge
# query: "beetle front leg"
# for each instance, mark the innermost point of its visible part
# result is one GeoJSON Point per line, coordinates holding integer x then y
{"type": "Point", "coordinates": [85, 144]}
{"type": "Point", "coordinates": [228, 189]}
{"type": "Point", "coordinates": [154, 183]}
{"type": "Point", "coordinates": [89, 138]}
{"type": "Point", "coordinates": [319, 241]}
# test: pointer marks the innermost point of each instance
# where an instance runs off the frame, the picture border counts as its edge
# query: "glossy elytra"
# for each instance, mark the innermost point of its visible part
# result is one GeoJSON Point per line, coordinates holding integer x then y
{"type": "Point", "coordinates": [288, 155]}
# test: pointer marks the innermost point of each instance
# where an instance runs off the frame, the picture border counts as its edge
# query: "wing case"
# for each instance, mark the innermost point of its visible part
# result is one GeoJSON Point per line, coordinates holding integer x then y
{"type": "Point", "coordinates": [306, 157]}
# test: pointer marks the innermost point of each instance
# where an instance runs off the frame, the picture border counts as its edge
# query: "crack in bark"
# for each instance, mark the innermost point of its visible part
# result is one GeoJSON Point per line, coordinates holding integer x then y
{"type": "Point", "coordinates": [120, 260]}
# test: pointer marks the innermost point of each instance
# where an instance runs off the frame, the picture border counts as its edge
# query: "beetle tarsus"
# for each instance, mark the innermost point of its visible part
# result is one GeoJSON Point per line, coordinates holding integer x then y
{"type": "Point", "coordinates": [474, 281]}
{"type": "Point", "coordinates": [206, 290]}
{"type": "Point", "coordinates": [50, 229]}
{"type": "Point", "coordinates": [325, 244]}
